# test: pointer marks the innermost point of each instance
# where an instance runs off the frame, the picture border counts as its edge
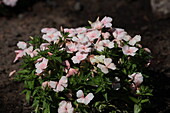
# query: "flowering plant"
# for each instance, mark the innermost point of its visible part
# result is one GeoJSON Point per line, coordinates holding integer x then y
{"type": "Point", "coordinates": [10, 3]}
{"type": "Point", "coordinates": [87, 69]}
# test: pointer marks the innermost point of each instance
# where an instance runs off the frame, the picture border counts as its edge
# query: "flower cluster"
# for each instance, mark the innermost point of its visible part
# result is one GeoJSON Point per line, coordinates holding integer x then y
{"type": "Point", "coordinates": [11, 3]}
{"type": "Point", "coordinates": [97, 60]}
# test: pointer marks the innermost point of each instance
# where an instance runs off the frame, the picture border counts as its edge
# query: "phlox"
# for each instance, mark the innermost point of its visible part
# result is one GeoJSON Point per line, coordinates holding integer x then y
{"type": "Point", "coordinates": [79, 57]}
{"type": "Point", "coordinates": [84, 47]}
{"type": "Point", "coordinates": [108, 43]}
{"type": "Point", "coordinates": [147, 50]}
{"type": "Point", "coordinates": [30, 51]}
{"type": "Point", "coordinates": [52, 37]}
{"type": "Point", "coordinates": [72, 32]}
{"type": "Point", "coordinates": [85, 100]}
{"type": "Point", "coordinates": [97, 24]}
{"type": "Point", "coordinates": [97, 59]}
{"type": "Point", "coordinates": [71, 47]}
{"type": "Point", "coordinates": [119, 33]}
{"type": "Point", "coordinates": [92, 35]}
{"type": "Point", "coordinates": [81, 30]}
{"type": "Point", "coordinates": [44, 84]}
{"type": "Point", "coordinates": [99, 46]}
{"type": "Point", "coordinates": [65, 107]}
{"type": "Point", "coordinates": [11, 3]}
{"type": "Point", "coordinates": [137, 78]}
{"type": "Point", "coordinates": [19, 54]}
{"type": "Point", "coordinates": [70, 71]}
{"type": "Point", "coordinates": [59, 86]}
{"type": "Point", "coordinates": [44, 46]}
{"type": "Point", "coordinates": [107, 21]}
{"type": "Point", "coordinates": [12, 73]}
{"type": "Point", "coordinates": [48, 30]}
{"type": "Point", "coordinates": [21, 45]}
{"type": "Point", "coordinates": [129, 50]}
{"type": "Point", "coordinates": [106, 35]}
{"type": "Point", "coordinates": [81, 38]}
{"type": "Point", "coordinates": [107, 65]}
{"type": "Point", "coordinates": [135, 39]}
{"type": "Point", "coordinates": [40, 66]}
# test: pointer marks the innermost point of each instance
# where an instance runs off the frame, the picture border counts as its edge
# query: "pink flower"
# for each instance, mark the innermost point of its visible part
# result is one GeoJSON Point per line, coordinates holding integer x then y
{"type": "Point", "coordinates": [81, 30]}
{"type": "Point", "coordinates": [126, 37]}
{"type": "Point", "coordinates": [68, 70]}
{"type": "Point", "coordinates": [107, 21]}
{"type": "Point", "coordinates": [99, 46]}
{"type": "Point", "coordinates": [137, 78]}
{"type": "Point", "coordinates": [97, 24]}
{"type": "Point", "coordinates": [81, 38]}
{"type": "Point", "coordinates": [108, 65]}
{"type": "Point", "coordinates": [19, 54]}
{"type": "Point", "coordinates": [79, 57]}
{"type": "Point", "coordinates": [129, 50]}
{"type": "Point", "coordinates": [52, 84]}
{"type": "Point", "coordinates": [147, 50]}
{"type": "Point", "coordinates": [84, 47]}
{"type": "Point", "coordinates": [45, 84]}
{"type": "Point", "coordinates": [65, 107]}
{"type": "Point", "coordinates": [71, 71]}
{"type": "Point", "coordinates": [72, 32]}
{"type": "Point", "coordinates": [119, 33]}
{"type": "Point", "coordinates": [12, 73]}
{"type": "Point", "coordinates": [92, 35]}
{"type": "Point", "coordinates": [67, 64]}
{"type": "Point", "coordinates": [21, 45]}
{"type": "Point", "coordinates": [40, 66]}
{"type": "Point", "coordinates": [61, 84]}
{"type": "Point", "coordinates": [133, 41]}
{"type": "Point", "coordinates": [71, 47]}
{"type": "Point", "coordinates": [106, 35]}
{"type": "Point", "coordinates": [85, 100]}
{"type": "Point", "coordinates": [44, 46]}
{"type": "Point", "coordinates": [48, 30]}
{"type": "Point", "coordinates": [50, 54]}
{"type": "Point", "coordinates": [52, 37]}
{"type": "Point", "coordinates": [29, 51]}
{"type": "Point", "coordinates": [108, 43]}
{"type": "Point", "coordinates": [11, 3]}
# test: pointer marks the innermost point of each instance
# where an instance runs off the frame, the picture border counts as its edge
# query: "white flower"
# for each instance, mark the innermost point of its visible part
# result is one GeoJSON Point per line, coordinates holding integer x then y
{"type": "Point", "coordinates": [129, 50]}
{"type": "Point", "coordinates": [137, 78]}
{"type": "Point", "coordinates": [108, 65]}
{"type": "Point", "coordinates": [65, 107]}
{"type": "Point", "coordinates": [11, 3]}
{"type": "Point", "coordinates": [133, 41]}
{"type": "Point", "coordinates": [21, 45]}
{"type": "Point", "coordinates": [85, 100]}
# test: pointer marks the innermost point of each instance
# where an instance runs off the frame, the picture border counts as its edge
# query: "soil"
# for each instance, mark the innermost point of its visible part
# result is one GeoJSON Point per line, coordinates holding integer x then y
{"type": "Point", "coordinates": [135, 16]}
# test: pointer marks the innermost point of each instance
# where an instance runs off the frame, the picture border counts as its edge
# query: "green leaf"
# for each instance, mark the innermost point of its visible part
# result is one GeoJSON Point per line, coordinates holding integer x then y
{"type": "Point", "coordinates": [133, 99]}
{"type": "Point", "coordinates": [59, 59]}
{"type": "Point", "coordinates": [28, 95]}
{"type": "Point", "coordinates": [98, 89]}
{"type": "Point", "coordinates": [137, 108]}
{"type": "Point", "coordinates": [106, 96]}
{"type": "Point", "coordinates": [145, 100]}
{"type": "Point", "coordinates": [24, 71]}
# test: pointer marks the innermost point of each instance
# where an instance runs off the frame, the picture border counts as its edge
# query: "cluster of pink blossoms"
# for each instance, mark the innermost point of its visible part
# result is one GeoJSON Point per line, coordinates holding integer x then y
{"type": "Point", "coordinates": [11, 3]}
{"type": "Point", "coordinates": [81, 44]}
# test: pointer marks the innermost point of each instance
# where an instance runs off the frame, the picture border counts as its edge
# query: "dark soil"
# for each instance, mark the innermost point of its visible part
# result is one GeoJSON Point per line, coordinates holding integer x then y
{"type": "Point", "coordinates": [134, 16]}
